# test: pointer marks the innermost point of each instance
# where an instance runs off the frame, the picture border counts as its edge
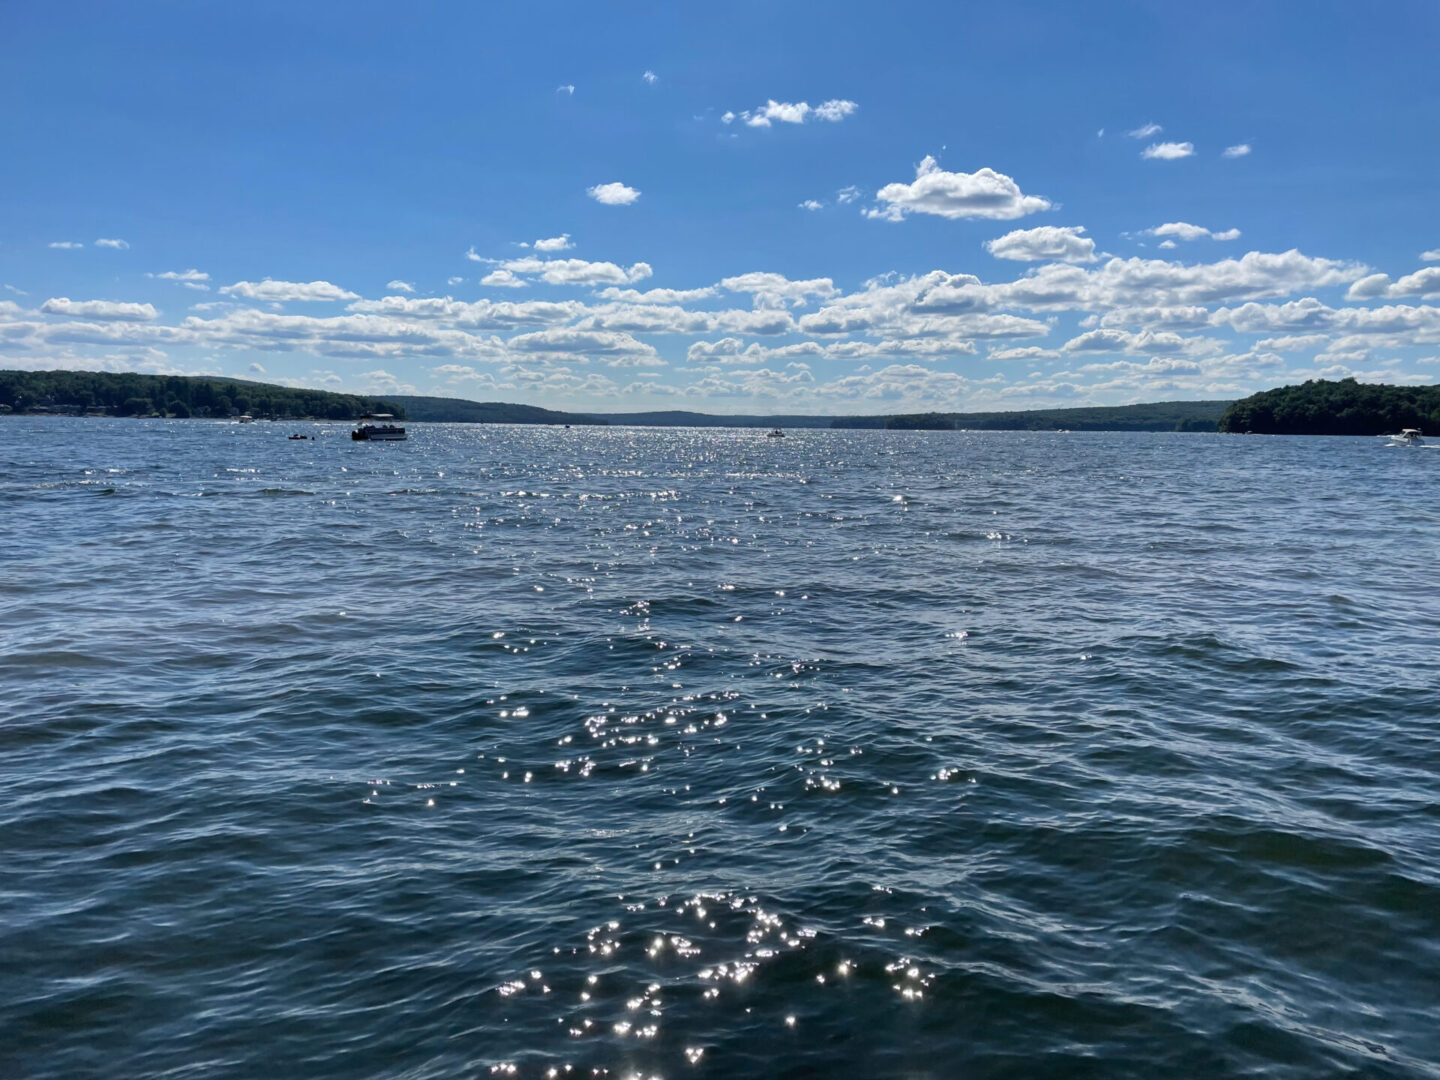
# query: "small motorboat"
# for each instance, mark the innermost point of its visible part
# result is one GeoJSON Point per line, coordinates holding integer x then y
{"type": "Point", "coordinates": [775, 433]}
{"type": "Point", "coordinates": [1408, 437]}
{"type": "Point", "coordinates": [293, 437]}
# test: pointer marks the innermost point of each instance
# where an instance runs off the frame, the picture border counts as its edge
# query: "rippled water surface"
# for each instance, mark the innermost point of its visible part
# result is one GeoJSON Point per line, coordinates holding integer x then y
{"type": "Point", "coordinates": [602, 752]}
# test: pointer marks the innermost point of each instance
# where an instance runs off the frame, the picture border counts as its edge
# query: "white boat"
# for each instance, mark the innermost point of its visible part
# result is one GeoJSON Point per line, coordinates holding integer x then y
{"type": "Point", "coordinates": [378, 433]}
{"type": "Point", "coordinates": [1408, 437]}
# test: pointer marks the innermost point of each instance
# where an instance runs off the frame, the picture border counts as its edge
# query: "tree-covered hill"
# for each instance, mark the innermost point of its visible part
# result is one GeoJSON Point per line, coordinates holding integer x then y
{"type": "Point", "coordinates": [128, 394]}
{"type": "Point", "coordinates": [1346, 407]}
{"type": "Point", "coordinates": [459, 411]}
{"type": "Point", "coordinates": [1159, 416]}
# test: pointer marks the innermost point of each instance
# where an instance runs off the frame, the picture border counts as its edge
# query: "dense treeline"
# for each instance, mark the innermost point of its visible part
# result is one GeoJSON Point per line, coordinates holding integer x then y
{"type": "Point", "coordinates": [1318, 407]}
{"type": "Point", "coordinates": [921, 422]}
{"type": "Point", "coordinates": [129, 394]}
{"type": "Point", "coordinates": [459, 411]}
{"type": "Point", "coordinates": [1159, 416]}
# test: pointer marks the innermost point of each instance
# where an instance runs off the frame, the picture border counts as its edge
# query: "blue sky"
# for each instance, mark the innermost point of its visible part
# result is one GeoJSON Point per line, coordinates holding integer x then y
{"type": "Point", "coordinates": [742, 208]}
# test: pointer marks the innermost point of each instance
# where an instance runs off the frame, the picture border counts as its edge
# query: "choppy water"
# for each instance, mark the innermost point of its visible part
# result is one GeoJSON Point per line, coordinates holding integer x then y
{"type": "Point", "coordinates": [542, 752]}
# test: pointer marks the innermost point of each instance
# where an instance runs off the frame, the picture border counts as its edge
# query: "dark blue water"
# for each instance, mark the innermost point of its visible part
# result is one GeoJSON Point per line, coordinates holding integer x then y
{"type": "Point", "coordinates": [591, 752]}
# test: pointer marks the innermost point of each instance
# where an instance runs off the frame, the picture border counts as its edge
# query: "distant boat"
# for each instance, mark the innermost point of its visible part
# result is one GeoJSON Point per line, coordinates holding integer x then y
{"type": "Point", "coordinates": [1408, 437]}
{"type": "Point", "coordinates": [775, 433]}
{"type": "Point", "coordinates": [245, 419]}
{"type": "Point", "coordinates": [378, 433]}
{"type": "Point", "coordinates": [300, 436]}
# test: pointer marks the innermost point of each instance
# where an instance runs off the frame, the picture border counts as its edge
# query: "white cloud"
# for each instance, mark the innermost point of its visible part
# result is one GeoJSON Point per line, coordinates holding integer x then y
{"type": "Point", "coordinates": [401, 286]}
{"type": "Point", "coordinates": [1024, 352]}
{"type": "Point", "coordinates": [1144, 131]}
{"type": "Point", "coordinates": [554, 243]}
{"type": "Point", "coordinates": [475, 256]}
{"type": "Point", "coordinates": [1433, 255]}
{"type": "Point", "coordinates": [1168, 244]}
{"type": "Point", "coordinates": [182, 275]}
{"type": "Point", "coordinates": [118, 245]}
{"type": "Point", "coordinates": [1238, 150]}
{"type": "Point", "coordinates": [1146, 341]}
{"type": "Point", "coordinates": [566, 88]}
{"type": "Point", "coordinates": [650, 77]}
{"type": "Point", "coordinates": [658, 296]}
{"type": "Point", "coordinates": [982, 194]}
{"type": "Point", "coordinates": [798, 112]}
{"type": "Point", "coordinates": [578, 271]}
{"type": "Point", "coordinates": [13, 289]}
{"type": "Point", "coordinates": [503, 279]}
{"type": "Point", "coordinates": [1168, 151]}
{"type": "Point", "coordinates": [847, 194]}
{"type": "Point", "coordinates": [1183, 230]}
{"type": "Point", "coordinates": [584, 342]}
{"type": "Point", "coordinates": [777, 291]}
{"type": "Point", "coordinates": [1054, 242]}
{"type": "Point", "coordinates": [812, 204]}
{"type": "Point", "coordinates": [835, 110]}
{"type": "Point", "coordinates": [99, 309]}
{"type": "Point", "coordinates": [283, 291]}
{"type": "Point", "coordinates": [1424, 282]}
{"type": "Point", "coordinates": [66, 245]}
{"type": "Point", "coordinates": [728, 118]}
{"type": "Point", "coordinates": [613, 194]}
{"type": "Point", "coordinates": [454, 281]}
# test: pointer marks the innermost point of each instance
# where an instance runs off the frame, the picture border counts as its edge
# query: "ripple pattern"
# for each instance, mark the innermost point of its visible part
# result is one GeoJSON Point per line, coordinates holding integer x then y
{"type": "Point", "coordinates": [540, 752]}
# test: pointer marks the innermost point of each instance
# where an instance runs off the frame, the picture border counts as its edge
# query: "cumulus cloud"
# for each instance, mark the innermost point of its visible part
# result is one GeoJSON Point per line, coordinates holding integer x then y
{"type": "Point", "coordinates": [454, 281]}
{"type": "Point", "coordinates": [1424, 282]}
{"type": "Point", "coordinates": [116, 244]}
{"type": "Point", "coordinates": [1183, 230]}
{"type": "Point", "coordinates": [797, 112]}
{"type": "Point", "coordinates": [1433, 255]}
{"type": "Point", "coordinates": [583, 342]}
{"type": "Point", "coordinates": [812, 204]}
{"type": "Point", "coordinates": [1024, 352]}
{"type": "Point", "coordinates": [1168, 151]}
{"type": "Point", "coordinates": [1054, 242]}
{"type": "Point", "coordinates": [66, 245]}
{"type": "Point", "coordinates": [578, 271]}
{"type": "Point", "coordinates": [982, 194]}
{"type": "Point", "coordinates": [658, 296]}
{"type": "Point", "coordinates": [777, 291]}
{"type": "Point", "coordinates": [847, 195]}
{"type": "Point", "coordinates": [401, 286]}
{"type": "Point", "coordinates": [613, 194]}
{"type": "Point", "coordinates": [1144, 131]}
{"type": "Point", "coordinates": [554, 243]}
{"type": "Point", "coordinates": [503, 279]}
{"type": "Point", "coordinates": [284, 291]}
{"type": "Point", "coordinates": [99, 309]}
{"type": "Point", "coordinates": [1238, 150]}
{"type": "Point", "coordinates": [650, 77]}
{"type": "Point", "coordinates": [1151, 341]}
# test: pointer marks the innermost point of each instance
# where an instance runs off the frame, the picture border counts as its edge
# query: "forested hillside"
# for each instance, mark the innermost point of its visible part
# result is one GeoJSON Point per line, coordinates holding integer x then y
{"type": "Point", "coordinates": [1345, 407]}
{"type": "Point", "coordinates": [128, 394]}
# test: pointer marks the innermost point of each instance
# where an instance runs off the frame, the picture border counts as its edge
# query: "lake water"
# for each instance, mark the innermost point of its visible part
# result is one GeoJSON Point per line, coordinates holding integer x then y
{"type": "Point", "coordinates": [690, 753]}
